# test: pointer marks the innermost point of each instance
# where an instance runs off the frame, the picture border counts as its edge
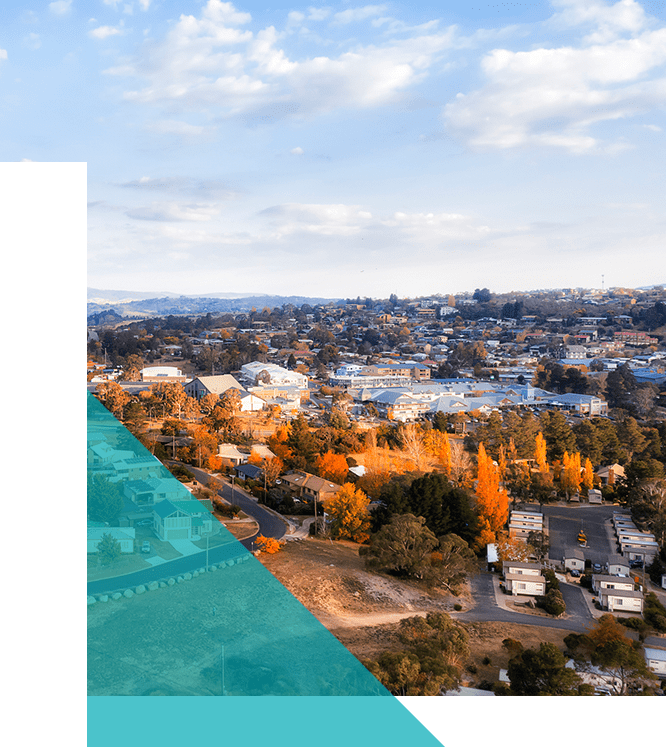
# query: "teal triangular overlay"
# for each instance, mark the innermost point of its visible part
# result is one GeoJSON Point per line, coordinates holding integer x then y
{"type": "Point", "coordinates": [175, 628]}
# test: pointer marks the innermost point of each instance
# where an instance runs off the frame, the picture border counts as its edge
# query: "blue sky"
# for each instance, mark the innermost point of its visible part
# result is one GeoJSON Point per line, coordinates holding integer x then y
{"type": "Point", "coordinates": [346, 149]}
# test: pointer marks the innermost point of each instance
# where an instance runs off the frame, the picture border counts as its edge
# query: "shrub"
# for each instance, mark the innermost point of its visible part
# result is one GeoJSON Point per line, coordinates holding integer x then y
{"type": "Point", "coordinates": [457, 606]}
{"type": "Point", "coordinates": [471, 668]}
{"type": "Point", "coordinates": [486, 661]}
{"type": "Point", "coordinates": [586, 581]}
{"type": "Point", "coordinates": [551, 580]}
{"type": "Point", "coordinates": [268, 544]}
{"type": "Point", "coordinates": [655, 613]}
{"type": "Point", "coordinates": [553, 603]}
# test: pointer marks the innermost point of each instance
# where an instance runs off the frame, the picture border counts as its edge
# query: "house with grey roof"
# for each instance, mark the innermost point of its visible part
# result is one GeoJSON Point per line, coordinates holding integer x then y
{"type": "Point", "coordinates": [176, 520]}
{"type": "Point", "coordinates": [655, 658]}
{"type": "Point", "coordinates": [218, 385]}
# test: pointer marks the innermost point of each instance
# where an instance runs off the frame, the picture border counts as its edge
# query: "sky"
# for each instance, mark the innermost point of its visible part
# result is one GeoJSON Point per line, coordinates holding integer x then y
{"type": "Point", "coordinates": [344, 149]}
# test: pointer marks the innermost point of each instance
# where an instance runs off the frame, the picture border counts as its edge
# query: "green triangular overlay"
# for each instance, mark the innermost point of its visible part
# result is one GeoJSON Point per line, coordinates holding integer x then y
{"type": "Point", "coordinates": [178, 629]}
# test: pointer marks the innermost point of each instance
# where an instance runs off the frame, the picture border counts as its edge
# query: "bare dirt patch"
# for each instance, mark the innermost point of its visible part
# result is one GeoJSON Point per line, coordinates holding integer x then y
{"type": "Point", "coordinates": [363, 610]}
{"type": "Point", "coordinates": [329, 578]}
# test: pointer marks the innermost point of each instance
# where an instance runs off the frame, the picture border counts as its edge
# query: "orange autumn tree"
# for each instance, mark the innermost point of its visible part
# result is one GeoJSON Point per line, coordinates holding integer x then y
{"type": "Point", "coordinates": [268, 545]}
{"type": "Point", "coordinates": [277, 443]}
{"type": "Point", "coordinates": [348, 514]}
{"type": "Point", "coordinates": [332, 467]}
{"type": "Point", "coordinates": [255, 459]}
{"type": "Point", "coordinates": [492, 501]}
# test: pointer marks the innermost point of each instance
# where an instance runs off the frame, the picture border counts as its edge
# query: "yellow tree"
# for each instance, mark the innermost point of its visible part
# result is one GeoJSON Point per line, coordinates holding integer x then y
{"type": "Point", "coordinates": [540, 453]}
{"type": "Point", "coordinates": [445, 457]}
{"type": "Point", "coordinates": [588, 475]}
{"type": "Point", "coordinates": [570, 476]}
{"type": "Point", "coordinates": [348, 514]}
{"type": "Point", "coordinates": [492, 501]}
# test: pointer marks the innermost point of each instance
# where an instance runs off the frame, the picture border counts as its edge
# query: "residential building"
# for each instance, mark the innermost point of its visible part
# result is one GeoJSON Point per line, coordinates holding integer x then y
{"type": "Point", "coordinates": [175, 520]}
{"type": "Point", "coordinates": [620, 600]}
{"type": "Point", "coordinates": [124, 536]}
{"type": "Point", "coordinates": [203, 385]}
{"type": "Point", "coordinates": [305, 485]}
{"type": "Point", "coordinates": [655, 658]}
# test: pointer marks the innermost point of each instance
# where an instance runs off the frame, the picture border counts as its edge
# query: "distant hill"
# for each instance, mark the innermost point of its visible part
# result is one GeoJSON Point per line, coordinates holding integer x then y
{"type": "Point", "coordinates": [147, 306]}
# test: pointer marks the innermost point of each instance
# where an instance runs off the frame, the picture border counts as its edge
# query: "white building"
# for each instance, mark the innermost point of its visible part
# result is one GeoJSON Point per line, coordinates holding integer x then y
{"type": "Point", "coordinates": [655, 658]}
{"type": "Point", "coordinates": [162, 373]}
{"type": "Point", "coordinates": [270, 374]}
{"type": "Point", "coordinates": [620, 600]}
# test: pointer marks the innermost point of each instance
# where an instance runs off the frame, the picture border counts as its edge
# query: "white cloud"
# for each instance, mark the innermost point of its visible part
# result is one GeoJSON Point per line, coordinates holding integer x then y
{"type": "Point", "coordinates": [60, 7]}
{"type": "Point", "coordinates": [174, 211]}
{"type": "Point", "coordinates": [145, 4]}
{"type": "Point", "coordinates": [298, 151]}
{"type": "Point", "coordinates": [210, 188]}
{"type": "Point", "coordinates": [353, 15]}
{"type": "Point", "coordinates": [32, 41]}
{"type": "Point", "coordinates": [175, 127]}
{"type": "Point", "coordinates": [553, 97]}
{"type": "Point", "coordinates": [102, 32]}
{"type": "Point", "coordinates": [654, 128]}
{"type": "Point", "coordinates": [210, 63]}
{"type": "Point", "coordinates": [318, 14]}
{"type": "Point", "coordinates": [607, 21]}
{"type": "Point", "coordinates": [3, 54]}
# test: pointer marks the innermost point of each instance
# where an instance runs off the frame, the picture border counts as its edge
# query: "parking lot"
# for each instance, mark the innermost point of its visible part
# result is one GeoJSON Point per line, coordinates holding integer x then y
{"type": "Point", "coordinates": [564, 523]}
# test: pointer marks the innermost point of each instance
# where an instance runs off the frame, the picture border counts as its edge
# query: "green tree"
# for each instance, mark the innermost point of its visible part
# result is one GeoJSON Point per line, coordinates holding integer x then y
{"type": "Point", "coordinates": [654, 613]}
{"type": "Point", "coordinates": [558, 434]}
{"type": "Point", "coordinates": [620, 660]}
{"type": "Point", "coordinates": [553, 602]}
{"type": "Point", "coordinates": [108, 549]}
{"type": "Point", "coordinates": [543, 671]}
{"type": "Point", "coordinates": [105, 500]}
{"type": "Point", "coordinates": [435, 650]}
{"type": "Point", "coordinates": [403, 547]}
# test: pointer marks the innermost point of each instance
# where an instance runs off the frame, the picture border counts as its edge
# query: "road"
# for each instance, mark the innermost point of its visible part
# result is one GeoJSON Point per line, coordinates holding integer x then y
{"type": "Point", "coordinates": [269, 524]}
{"type": "Point", "coordinates": [486, 609]}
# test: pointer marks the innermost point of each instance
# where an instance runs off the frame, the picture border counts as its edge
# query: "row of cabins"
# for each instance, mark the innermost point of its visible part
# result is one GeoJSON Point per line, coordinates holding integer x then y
{"type": "Point", "coordinates": [614, 593]}
{"type": "Point", "coordinates": [635, 545]}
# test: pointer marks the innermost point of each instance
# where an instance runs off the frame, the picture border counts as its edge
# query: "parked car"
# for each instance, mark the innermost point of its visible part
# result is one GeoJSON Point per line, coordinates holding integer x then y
{"type": "Point", "coordinates": [574, 573]}
{"type": "Point", "coordinates": [145, 547]}
{"type": "Point", "coordinates": [145, 523]}
{"type": "Point", "coordinates": [596, 567]}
